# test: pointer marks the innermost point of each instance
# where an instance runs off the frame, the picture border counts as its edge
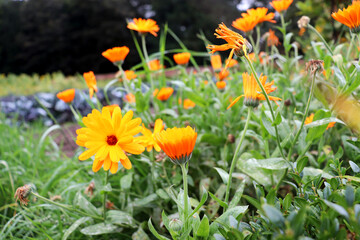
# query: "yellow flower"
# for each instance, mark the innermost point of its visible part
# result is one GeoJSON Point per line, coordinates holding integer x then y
{"type": "Point", "coordinates": [281, 5]}
{"type": "Point", "coordinates": [67, 95]}
{"type": "Point", "coordinates": [90, 82]}
{"type": "Point", "coordinates": [147, 140]}
{"type": "Point", "coordinates": [182, 58]}
{"type": "Point", "coordinates": [349, 16]}
{"type": "Point", "coordinates": [252, 91]}
{"type": "Point", "coordinates": [144, 26]}
{"type": "Point", "coordinates": [109, 137]}
{"type": "Point", "coordinates": [238, 45]}
{"type": "Point", "coordinates": [116, 54]}
{"type": "Point", "coordinates": [177, 143]}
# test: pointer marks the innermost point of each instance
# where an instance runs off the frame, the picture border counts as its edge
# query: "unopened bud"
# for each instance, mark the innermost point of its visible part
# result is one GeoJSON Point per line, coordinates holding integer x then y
{"type": "Point", "coordinates": [175, 225]}
{"type": "Point", "coordinates": [231, 138]}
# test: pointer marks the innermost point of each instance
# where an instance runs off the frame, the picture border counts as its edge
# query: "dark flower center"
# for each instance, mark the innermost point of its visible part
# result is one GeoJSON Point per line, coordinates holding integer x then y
{"type": "Point", "coordinates": [111, 140]}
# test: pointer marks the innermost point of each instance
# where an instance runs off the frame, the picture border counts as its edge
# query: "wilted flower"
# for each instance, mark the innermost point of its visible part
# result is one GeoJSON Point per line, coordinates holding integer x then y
{"type": "Point", "coordinates": [163, 94]}
{"type": "Point", "coordinates": [182, 58]}
{"type": "Point", "coordinates": [144, 26]}
{"type": "Point", "coordinates": [90, 82]}
{"type": "Point", "coordinates": [177, 143]}
{"type": "Point", "coordinates": [90, 189]}
{"type": "Point", "coordinates": [22, 194]}
{"type": "Point", "coordinates": [108, 137]}
{"type": "Point", "coordinates": [315, 65]}
{"type": "Point", "coordinates": [116, 54]}
{"type": "Point", "coordinates": [303, 22]}
{"type": "Point", "coordinates": [252, 91]}
{"type": "Point", "coordinates": [67, 95]}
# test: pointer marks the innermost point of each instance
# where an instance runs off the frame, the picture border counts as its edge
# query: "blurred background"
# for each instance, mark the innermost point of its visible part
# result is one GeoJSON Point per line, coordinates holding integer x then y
{"type": "Point", "coordinates": [44, 36]}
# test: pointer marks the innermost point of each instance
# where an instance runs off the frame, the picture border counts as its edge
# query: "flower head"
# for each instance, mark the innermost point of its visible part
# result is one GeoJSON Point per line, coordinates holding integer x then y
{"type": "Point", "coordinates": [310, 119]}
{"type": "Point", "coordinates": [252, 91]}
{"type": "Point", "coordinates": [188, 103]}
{"type": "Point", "coordinates": [221, 85]}
{"type": "Point", "coordinates": [144, 26]}
{"type": "Point", "coordinates": [90, 82]}
{"type": "Point", "coordinates": [238, 45]}
{"type": "Point", "coordinates": [303, 22]}
{"type": "Point", "coordinates": [67, 95]}
{"type": "Point", "coordinates": [216, 63]}
{"type": "Point", "coordinates": [116, 54]}
{"type": "Point", "coordinates": [130, 98]}
{"type": "Point", "coordinates": [22, 194]}
{"type": "Point", "coordinates": [231, 63]}
{"type": "Point", "coordinates": [109, 137]}
{"type": "Point", "coordinates": [252, 17]}
{"type": "Point", "coordinates": [177, 143]}
{"type": "Point", "coordinates": [349, 16]}
{"type": "Point", "coordinates": [163, 94]}
{"type": "Point", "coordinates": [182, 58]}
{"type": "Point", "coordinates": [281, 5]}
{"type": "Point", "coordinates": [130, 75]}
{"type": "Point", "coordinates": [272, 39]}
{"type": "Point", "coordinates": [155, 65]}
{"type": "Point", "coordinates": [245, 24]}
{"type": "Point", "coordinates": [223, 74]}
{"type": "Point", "coordinates": [148, 140]}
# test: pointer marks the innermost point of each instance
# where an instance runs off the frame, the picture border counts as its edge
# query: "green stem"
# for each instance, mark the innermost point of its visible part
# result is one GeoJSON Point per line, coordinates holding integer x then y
{"type": "Point", "coordinates": [257, 38]}
{"type": "Point", "coordinates": [284, 33]}
{"type": "Point", "coordinates": [351, 46]}
{"type": "Point", "coordinates": [233, 161]}
{"type": "Point", "coordinates": [105, 195]}
{"type": "Point", "coordinates": [304, 117]}
{"type": "Point", "coordinates": [270, 107]}
{"type": "Point", "coordinates": [321, 38]}
{"type": "Point", "coordinates": [186, 203]}
{"type": "Point", "coordinates": [65, 206]}
{"type": "Point", "coordinates": [143, 42]}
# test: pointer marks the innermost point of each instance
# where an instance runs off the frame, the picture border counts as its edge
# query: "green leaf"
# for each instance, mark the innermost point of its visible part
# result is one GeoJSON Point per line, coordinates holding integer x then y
{"type": "Point", "coordinates": [99, 229]}
{"type": "Point", "coordinates": [222, 203]}
{"type": "Point", "coordinates": [212, 139]}
{"type": "Point", "coordinates": [202, 201]}
{"type": "Point", "coordinates": [270, 197]}
{"type": "Point", "coordinates": [75, 225]}
{"type": "Point", "coordinates": [278, 120]}
{"type": "Point", "coordinates": [349, 195]}
{"type": "Point", "coordinates": [196, 98]}
{"type": "Point", "coordinates": [126, 181]}
{"type": "Point", "coordinates": [267, 125]}
{"type": "Point", "coordinates": [318, 131]}
{"type": "Point", "coordinates": [146, 201]}
{"type": "Point", "coordinates": [81, 202]}
{"type": "Point", "coordinates": [287, 202]}
{"type": "Point", "coordinates": [121, 218]}
{"type": "Point", "coordinates": [354, 167]}
{"type": "Point", "coordinates": [224, 175]}
{"type": "Point", "coordinates": [339, 209]}
{"type": "Point", "coordinates": [274, 215]}
{"type": "Point", "coordinates": [204, 228]}
{"type": "Point", "coordinates": [300, 165]}
{"type": "Point", "coordinates": [166, 222]}
{"type": "Point", "coordinates": [154, 232]}
{"type": "Point", "coordinates": [235, 212]}
{"type": "Point", "coordinates": [140, 235]}
{"type": "Point", "coordinates": [238, 194]}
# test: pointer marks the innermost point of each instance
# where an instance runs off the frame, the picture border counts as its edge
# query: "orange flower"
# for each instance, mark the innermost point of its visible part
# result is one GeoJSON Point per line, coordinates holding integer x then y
{"type": "Point", "coordinates": [310, 119]}
{"type": "Point", "coordinates": [281, 5]}
{"type": "Point", "coordinates": [129, 74]}
{"type": "Point", "coordinates": [245, 24]}
{"type": "Point", "coordinates": [182, 58]}
{"type": "Point", "coordinates": [263, 58]}
{"type": "Point", "coordinates": [163, 94]}
{"type": "Point", "coordinates": [155, 65]}
{"type": "Point", "coordinates": [67, 95]}
{"type": "Point", "coordinates": [349, 16]}
{"type": "Point", "coordinates": [252, 17]}
{"type": "Point", "coordinates": [252, 56]}
{"type": "Point", "coordinates": [220, 85]}
{"type": "Point", "coordinates": [206, 82]}
{"type": "Point", "coordinates": [272, 39]}
{"type": "Point", "coordinates": [130, 98]}
{"type": "Point", "coordinates": [216, 62]}
{"type": "Point", "coordinates": [148, 139]}
{"type": "Point", "coordinates": [90, 82]}
{"type": "Point", "coordinates": [177, 143]}
{"type": "Point", "coordinates": [231, 63]}
{"type": "Point", "coordinates": [144, 26]}
{"type": "Point", "coordinates": [238, 45]}
{"type": "Point", "coordinates": [302, 31]}
{"type": "Point", "coordinates": [111, 108]}
{"type": "Point", "coordinates": [223, 74]}
{"type": "Point", "coordinates": [116, 54]}
{"type": "Point", "coordinates": [252, 91]}
{"type": "Point", "coordinates": [188, 103]}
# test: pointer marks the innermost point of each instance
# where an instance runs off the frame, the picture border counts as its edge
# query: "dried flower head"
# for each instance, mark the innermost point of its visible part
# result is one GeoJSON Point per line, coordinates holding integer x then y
{"type": "Point", "coordinates": [315, 65]}
{"type": "Point", "coordinates": [231, 138]}
{"type": "Point", "coordinates": [22, 194]}
{"type": "Point", "coordinates": [90, 189]}
{"type": "Point", "coordinates": [303, 22]}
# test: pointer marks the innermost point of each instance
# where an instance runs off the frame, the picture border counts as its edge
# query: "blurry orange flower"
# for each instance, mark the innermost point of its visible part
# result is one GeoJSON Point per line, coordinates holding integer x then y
{"type": "Point", "coordinates": [163, 94]}
{"type": "Point", "coordinates": [90, 82]}
{"type": "Point", "coordinates": [272, 39]}
{"type": "Point", "coordinates": [252, 91]}
{"type": "Point", "coordinates": [67, 95]}
{"type": "Point", "coordinates": [216, 62]}
{"type": "Point", "coordinates": [231, 63]}
{"type": "Point", "coordinates": [264, 58]}
{"type": "Point", "coordinates": [148, 140]}
{"type": "Point", "coordinates": [155, 65]}
{"type": "Point", "coordinates": [302, 31]}
{"type": "Point", "coordinates": [130, 98]}
{"type": "Point", "coordinates": [349, 16]}
{"type": "Point", "coordinates": [144, 26]}
{"type": "Point", "coordinates": [252, 17]}
{"type": "Point", "coordinates": [111, 108]}
{"type": "Point", "coordinates": [182, 58]}
{"type": "Point", "coordinates": [116, 54]}
{"type": "Point", "coordinates": [310, 119]}
{"type": "Point", "coordinates": [109, 137]}
{"type": "Point", "coordinates": [252, 56]}
{"type": "Point", "coordinates": [330, 125]}
{"type": "Point", "coordinates": [206, 82]}
{"type": "Point", "coordinates": [281, 5]}
{"type": "Point", "coordinates": [177, 143]}
{"type": "Point", "coordinates": [130, 75]}
{"type": "Point", "coordinates": [223, 74]}
{"type": "Point", "coordinates": [238, 45]}
{"type": "Point", "coordinates": [245, 24]}
{"type": "Point", "coordinates": [188, 103]}
{"type": "Point", "coordinates": [220, 85]}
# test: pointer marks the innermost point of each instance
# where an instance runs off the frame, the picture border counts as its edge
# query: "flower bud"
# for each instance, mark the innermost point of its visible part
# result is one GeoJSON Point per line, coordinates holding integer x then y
{"type": "Point", "coordinates": [231, 138]}
{"type": "Point", "coordinates": [175, 225]}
